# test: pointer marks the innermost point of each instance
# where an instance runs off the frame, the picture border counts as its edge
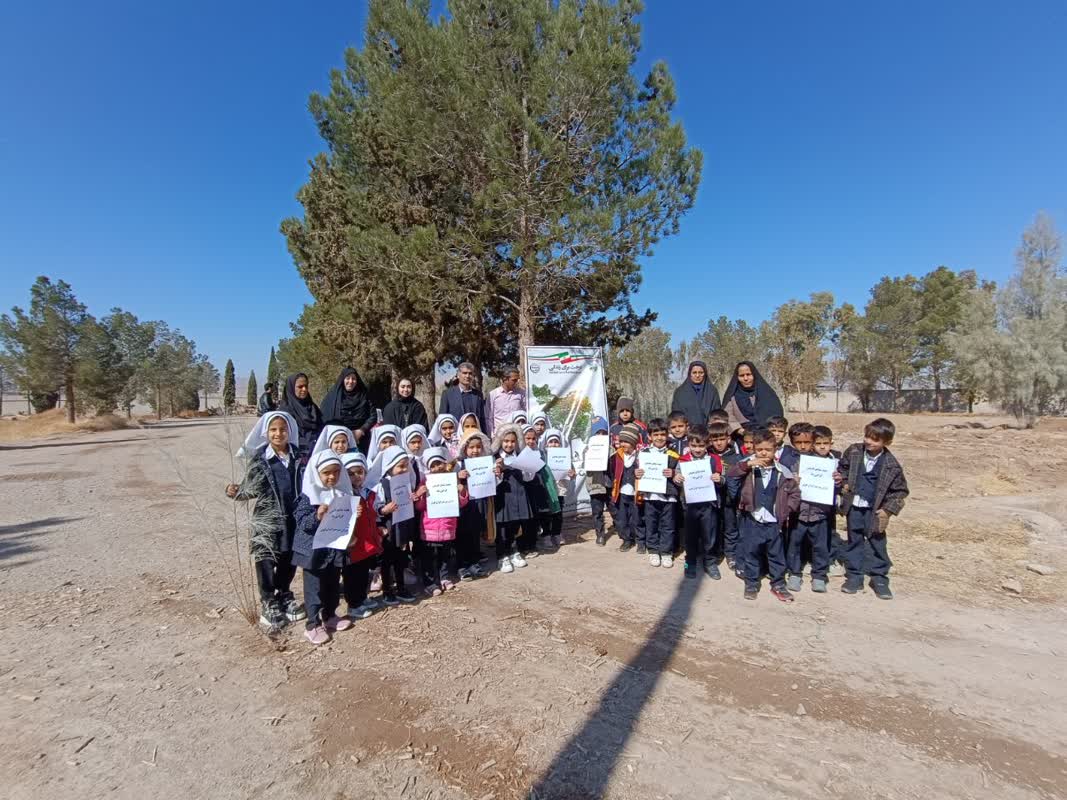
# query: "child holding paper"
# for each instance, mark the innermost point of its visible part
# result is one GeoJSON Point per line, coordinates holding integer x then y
{"type": "Point", "coordinates": [873, 487]}
{"type": "Point", "coordinates": [835, 545]}
{"type": "Point", "coordinates": [812, 525]}
{"type": "Point", "coordinates": [767, 495]}
{"type": "Point", "coordinates": [321, 565]}
{"type": "Point", "coordinates": [701, 517]}
{"type": "Point", "coordinates": [552, 523]}
{"type": "Point", "coordinates": [397, 534]}
{"type": "Point", "coordinates": [512, 504]}
{"type": "Point", "coordinates": [722, 446]}
{"type": "Point", "coordinates": [472, 516]}
{"type": "Point", "coordinates": [660, 506]}
{"type": "Point", "coordinates": [622, 468]}
{"type": "Point", "coordinates": [439, 535]}
{"type": "Point", "coordinates": [272, 481]}
{"type": "Point", "coordinates": [542, 497]}
{"type": "Point", "coordinates": [366, 541]}
{"type": "Point", "coordinates": [597, 484]}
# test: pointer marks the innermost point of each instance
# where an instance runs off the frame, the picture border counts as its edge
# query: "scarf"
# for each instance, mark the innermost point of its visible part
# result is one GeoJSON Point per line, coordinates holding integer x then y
{"type": "Point", "coordinates": [437, 438]}
{"type": "Point", "coordinates": [257, 437]}
{"type": "Point", "coordinates": [313, 487]}
{"type": "Point", "coordinates": [327, 436]}
{"type": "Point", "coordinates": [352, 409]}
{"type": "Point", "coordinates": [306, 414]}
{"type": "Point", "coordinates": [757, 404]}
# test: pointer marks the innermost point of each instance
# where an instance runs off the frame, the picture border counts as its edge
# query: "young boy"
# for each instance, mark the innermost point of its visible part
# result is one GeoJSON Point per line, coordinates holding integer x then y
{"type": "Point", "coordinates": [598, 485]}
{"type": "Point", "coordinates": [811, 528]}
{"type": "Point", "coordinates": [835, 545]}
{"type": "Point", "coordinates": [873, 487]}
{"type": "Point", "coordinates": [678, 441]}
{"type": "Point", "coordinates": [624, 415]}
{"type": "Point", "coordinates": [723, 416]}
{"type": "Point", "coordinates": [701, 519]}
{"type": "Point", "coordinates": [767, 495]}
{"type": "Point", "coordinates": [720, 446]}
{"type": "Point", "coordinates": [778, 426]}
{"type": "Point", "coordinates": [621, 468]}
{"type": "Point", "coordinates": [660, 508]}
{"type": "Point", "coordinates": [801, 440]}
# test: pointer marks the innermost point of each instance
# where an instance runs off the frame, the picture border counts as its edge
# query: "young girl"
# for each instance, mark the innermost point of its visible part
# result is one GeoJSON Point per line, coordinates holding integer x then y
{"type": "Point", "coordinates": [382, 437]}
{"type": "Point", "coordinates": [271, 480]}
{"type": "Point", "coordinates": [472, 516]}
{"type": "Point", "coordinates": [336, 438]}
{"type": "Point", "coordinates": [439, 535]}
{"type": "Point", "coordinates": [539, 422]}
{"type": "Point", "coordinates": [445, 433]}
{"type": "Point", "coordinates": [397, 536]}
{"type": "Point", "coordinates": [468, 423]}
{"type": "Point", "coordinates": [518, 417]}
{"type": "Point", "coordinates": [598, 485]}
{"type": "Point", "coordinates": [537, 495]}
{"type": "Point", "coordinates": [552, 523]}
{"type": "Point", "coordinates": [414, 438]}
{"type": "Point", "coordinates": [512, 505]}
{"type": "Point", "coordinates": [324, 481]}
{"type": "Point", "coordinates": [366, 542]}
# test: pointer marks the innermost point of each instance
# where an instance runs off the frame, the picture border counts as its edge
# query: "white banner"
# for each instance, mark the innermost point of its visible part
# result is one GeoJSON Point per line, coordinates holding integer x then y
{"type": "Point", "coordinates": [567, 384]}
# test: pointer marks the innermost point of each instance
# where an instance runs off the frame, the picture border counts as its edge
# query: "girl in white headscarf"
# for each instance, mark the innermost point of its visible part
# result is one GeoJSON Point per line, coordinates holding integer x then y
{"type": "Point", "coordinates": [395, 468]}
{"type": "Point", "coordinates": [325, 481]}
{"type": "Point", "coordinates": [445, 433]}
{"type": "Point", "coordinates": [335, 437]}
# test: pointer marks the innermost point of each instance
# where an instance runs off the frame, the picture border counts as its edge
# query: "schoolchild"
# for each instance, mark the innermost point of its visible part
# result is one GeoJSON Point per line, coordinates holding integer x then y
{"type": "Point", "coordinates": [472, 516]}
{"type": "Point", "coordinates": [660, 508]}
{"type": "Point", "coordinates": [598, 484]}
{"type": "Point", "coordinates": [552, 522]}
{"type": "Point", "coordinates": [439, 535]}
{"type": "Point", "coordinates": [397, 535]}
{"type": "Point", "coordinates": [366, 542]}
{"type": "Point", "coordinates": [810, 530]}
{"type": "Point", "coordinates": [445, 433]}
{"type": "Point", "coordinates": [272, 480]}
{"type": "Point", "coordinates": [324, 481]}
{"type": "Point", "coordinates": [622, 466]}
{"type": "Point", "coordinates": [702, 518]}
{"type": "Point", "coordinates": [512, 505]}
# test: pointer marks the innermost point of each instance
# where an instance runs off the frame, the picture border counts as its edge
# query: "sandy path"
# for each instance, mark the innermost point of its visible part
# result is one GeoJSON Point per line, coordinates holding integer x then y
{"type": "Point", "coordinates": [125, 670]}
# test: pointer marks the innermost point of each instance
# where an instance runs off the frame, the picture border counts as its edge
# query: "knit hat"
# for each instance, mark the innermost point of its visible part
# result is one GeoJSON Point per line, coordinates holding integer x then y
{"type": "Point", "coordinates": [630, 434]}
{"type": "Point", "coordinates": [624, 404]}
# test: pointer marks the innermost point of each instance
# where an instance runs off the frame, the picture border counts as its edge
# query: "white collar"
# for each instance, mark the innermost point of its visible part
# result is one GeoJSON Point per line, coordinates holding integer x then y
{"type": "Point", "coordinates": [272, 453]}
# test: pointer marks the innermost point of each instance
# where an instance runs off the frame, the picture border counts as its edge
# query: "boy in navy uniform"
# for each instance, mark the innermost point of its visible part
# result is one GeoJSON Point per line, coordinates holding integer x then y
{"type": "Point", "coordinates": [873, 488]}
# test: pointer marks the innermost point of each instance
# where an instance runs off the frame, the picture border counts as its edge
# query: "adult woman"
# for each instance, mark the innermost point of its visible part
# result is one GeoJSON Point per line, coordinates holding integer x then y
{"type": "Point", "coordinates": [302, 408]}
{"type": "Point", "coordinates": [404, 409]}
{"type": "Point", "coordinates": [348, 404]}
{"type": "Point", "coordinates": [749, 398]}
{"type": "Point", "coordinates": [697, 396]}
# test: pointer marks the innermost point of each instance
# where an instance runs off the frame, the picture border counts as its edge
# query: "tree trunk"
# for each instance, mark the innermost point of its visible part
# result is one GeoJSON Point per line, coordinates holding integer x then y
{"type": "Point", "coordinates": [837, 398]}
{"type": "Point", "coordinates": [526, 324]}
{"type": "Point", "coordinates": [938, 405]}
{"type": "Point", "coordinates": [426, 392]}
{"type": "Point", "coordinates": [159, 403]}
{"type": "Point", "coordinates": [527, 321]}
{"type": "Point", "coordinates": [68, 389]}
{"type": "Point", "coordinates": [807, 401]}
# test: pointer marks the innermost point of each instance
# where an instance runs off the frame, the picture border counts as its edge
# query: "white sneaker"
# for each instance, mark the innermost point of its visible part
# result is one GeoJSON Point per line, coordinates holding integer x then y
{"type": "Point", "coordinates": [666, 561]}
{"type": "Point", "coordinates": [505, 565]}
{"type": "Point", "coordinates": [653, 559]}
{"type": "Point", "coordinates": [517, 560]}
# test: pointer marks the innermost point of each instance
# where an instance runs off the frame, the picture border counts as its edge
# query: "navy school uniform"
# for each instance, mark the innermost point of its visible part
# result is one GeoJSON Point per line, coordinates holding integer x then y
{"type": "Point", "coordinates": [397, 539]}
{"type": "Point", "coordinates": [759, 540]}
{"type": "Point", "coordinates": [512, 510]}
{"type": "Point", "coordinates": [681, 447]}
{"type": "Point", "coordinates": [702, 521]}
{"type": "Point", "coordinates": [625, 508]}
{"type": "Point", "coordinates": [660, 511]}
{"type": "Point", "coordinates": [884, 487]}
{"type": "Point", "coordinates": [470, 529]}
{"type": "Point", "coordinates": [321, 566]}
{"type": "Point", "coordinates": [811, 532]}
{"type": "Point", "coordinates": [731, 532]}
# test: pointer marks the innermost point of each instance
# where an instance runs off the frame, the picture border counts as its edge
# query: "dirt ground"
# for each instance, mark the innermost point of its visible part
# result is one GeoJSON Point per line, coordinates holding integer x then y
{"type": "Point", "coordinates": [126, 669]}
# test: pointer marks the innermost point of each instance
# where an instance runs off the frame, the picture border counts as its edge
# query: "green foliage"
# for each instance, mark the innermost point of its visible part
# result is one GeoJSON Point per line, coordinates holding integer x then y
{"type": "Point", "coordinates": [229, 387]}
{"type": "Point", "coordinates": [1013, 347]}
{"type": "Point", "coordinates": [942, 295]}
{"type": "Point", "coordinates": [642, 369]}
{"type": "Point", "coordinates": [102, 371]}
{"type": "Point", "coordinates": [274, 377]}
{"type": "Point", "coordinates": [252, 395]}
{"type": "Point", "coordinates": [795, 345]}
{"type": "Point", "coordinates": [572, 412]}
{"type": "Point", "coordinates": [724, 343]}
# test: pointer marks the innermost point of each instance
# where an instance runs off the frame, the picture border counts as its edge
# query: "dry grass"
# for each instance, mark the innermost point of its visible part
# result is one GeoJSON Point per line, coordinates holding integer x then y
{"type": "Point", "coordinates": [50, 423]}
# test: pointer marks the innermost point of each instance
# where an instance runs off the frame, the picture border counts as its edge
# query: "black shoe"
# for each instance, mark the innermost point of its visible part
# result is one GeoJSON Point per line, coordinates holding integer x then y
{"type": "Point", "coordinates": [641, 550]}
{"type": "Point", "coordinates": [782, 594]}
{"type": "Point", "coordinates": [852, 586]}
{"type": "Point", "coordinates": [294, 611]}
{"type": "Point", "coordinates": [881, 591]}
{"type": "Point", "coordinates": [751, 594]}
{"type": "Point", "coordinates": [601, 541]}
{"type": "Point", "coordinates": [390, 600]}
{"type": "Point", "coordinates": [626, 547]}
{"type": "Point", "coordinates": [711, 569]}
{"type": "Point", "coordinates": [690, 570]}
{"type": "Point", "coordinates": [405, 596]}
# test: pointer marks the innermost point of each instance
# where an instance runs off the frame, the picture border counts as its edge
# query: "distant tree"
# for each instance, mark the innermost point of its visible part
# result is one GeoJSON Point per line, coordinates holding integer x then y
{"type": "Point", "coordinates": [862, 359]}
{"type": "Point", "coordinates": [641, 369]}
{"type": "Point", "coordinates": [174, 373]}
{"type": "Point", "coordinates": [724, 343]}
{"type": "Point", "coordinates": [102, 372]}
{"type": "Point", "coordinates": [942, 295]}
{"type": "Point", "coordinates": [229, 387]}
{"type": "Point", "coordinates": [1014, 347]}
{"type": "Point", "coordinates": [844, 316]}
{"type": "Point", "coordinates": [795, 335]}
{"type": "Point", "coordinates": [40, 347]}
{"type": "Point", "coordinates": [273, 376]}
{"type": "Point", "coordinates": [892, 322]}
{"type": "Point", "coordinates": [252, 394]}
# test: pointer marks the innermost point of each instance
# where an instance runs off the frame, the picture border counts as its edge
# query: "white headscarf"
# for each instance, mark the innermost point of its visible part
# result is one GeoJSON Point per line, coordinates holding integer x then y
{"type": "Point", "coordinates": [327, 437]}
{"type": "Point", "coordinates": [383, 464]}
{"type": "Point", "coordinates": [313, 487]}
{"type": "Point", "coordinates": [526, 476]}
{"type": "Point", "coordinates": [436, 438]}
{"type": "Point", "coordinates": [549, 433]}
{"type": "Point", "coordinates": [540, 415]}
{"type": "Point", "coordinates": [257, 438]}
{"type": "Point", "coordinates": [436, 454]}
{"type": "Point", "coordinates": [514, 418]}
{"type": "Point", "coordinates": [356, 459]}
{"type": "Point", "coordinates": [410, 432]}
{"type": "Point", "coordinates": [376, 435]}
{"type": "Point", "coordinates": [472, 415]}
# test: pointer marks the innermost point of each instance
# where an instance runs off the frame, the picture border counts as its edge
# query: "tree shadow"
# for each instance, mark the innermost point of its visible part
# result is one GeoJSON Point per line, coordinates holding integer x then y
{"type": "Point", "coordinates": [583, 766]}
{"type": "Point", "coordinates": [18, 539]}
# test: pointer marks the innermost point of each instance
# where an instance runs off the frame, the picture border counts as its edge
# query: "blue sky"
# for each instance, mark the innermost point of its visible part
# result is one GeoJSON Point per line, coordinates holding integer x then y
{"type": "Point", "coordinates": [148, 151]}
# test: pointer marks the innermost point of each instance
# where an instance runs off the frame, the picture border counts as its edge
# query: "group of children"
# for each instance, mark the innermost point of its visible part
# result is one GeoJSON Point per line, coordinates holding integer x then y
{"type": "Point", "coordinates": [756, 521]}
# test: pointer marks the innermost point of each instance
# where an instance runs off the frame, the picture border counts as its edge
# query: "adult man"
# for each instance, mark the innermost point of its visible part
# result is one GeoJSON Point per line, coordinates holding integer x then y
{"type": "Point", "coordinates": [504, 400]}
{"type": "Point", "coordinates": [267, 403]}
{"type": "Point", "coordinates": [464, 398]}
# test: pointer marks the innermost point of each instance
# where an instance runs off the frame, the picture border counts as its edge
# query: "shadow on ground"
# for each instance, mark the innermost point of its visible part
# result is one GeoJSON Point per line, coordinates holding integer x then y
{"type": "Point", "coordinates": [18, 539]}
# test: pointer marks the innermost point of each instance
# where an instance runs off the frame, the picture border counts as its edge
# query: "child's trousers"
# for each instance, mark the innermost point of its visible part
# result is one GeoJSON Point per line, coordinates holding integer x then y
{"type": "Point", "coordinates": [624, 514]}
{"type": "Point", "coordinates": [659, 526]}
{"type": "Point", "coordinates": [866, 554]}
{"type": "Point", "coordinates": [597, 504]}
{"type": "Point", "coordinates": [355, 579]}
{"type": "Point", "coordinates": [506, 533]}
{"type": "Point", "coordinates": [468, 543]}
{"type": "Point", "coordinates": [815, 534]}
{"type": "Point", "coordinates": [394, 560]}
{"type": "Point", "coordinates": [730, 532]}
{"type": "Point", "coordinates": [761, 540]}
{"type": "Point", "coordinates": [701, 533]}
{"type": "Point", "coordinates": [438, 562]}
{"type": "Point", "coordinates": [274, 576]}
{"type": "Point", "coordinates": [322, 593]}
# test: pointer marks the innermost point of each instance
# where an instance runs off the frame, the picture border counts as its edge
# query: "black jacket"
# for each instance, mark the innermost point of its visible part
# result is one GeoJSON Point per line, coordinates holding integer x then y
{"type": "Point", "coordinates": [457, 403]}
{"type": "Point", "coordinates": [272, 527]}
{"type": "Point", "coordinates": [400, 413]}
{"type": "Point", "coordinates": [696, 405]}
{"type": "Point", "coordinates": [889, 493]}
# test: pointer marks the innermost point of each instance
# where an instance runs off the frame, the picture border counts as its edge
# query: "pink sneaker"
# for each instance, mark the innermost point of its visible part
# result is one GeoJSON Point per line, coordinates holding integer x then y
{"type": "Point", "coordinates": [338, 624]}
{"type": "Point", "coordinates": [317, 635]}
{"type": "Point", "coordinates": [446, 585]}
{"type": "Point", "coordinates": [376, 581]}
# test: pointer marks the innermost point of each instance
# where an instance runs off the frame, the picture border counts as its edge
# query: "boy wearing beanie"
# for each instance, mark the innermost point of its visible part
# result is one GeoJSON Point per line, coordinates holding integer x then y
{"type": "Point", "coordinates": [621, 468]}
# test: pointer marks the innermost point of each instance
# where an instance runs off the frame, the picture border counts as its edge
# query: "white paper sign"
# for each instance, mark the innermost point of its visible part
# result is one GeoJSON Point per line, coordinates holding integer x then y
{"type": "Point", "coordinates": [817, 479]}
{"type": "Point", "coordinates": [481, 481]}
{"type": "Point", "coordinates": [699, 488]}
{"type": "Point", "coordinates": [405, 506]}
{"type": "Point", "coordinates": [653, 463]}
{"type": "Point", "coordinates": [528, 461]}
{"type": "Point", "coordinates": [442, 498]}
{"type": "Point", "coordinates": [596, 453]}
{"type": "Point", "coordinates": [335, 529]}
{"type": "Point", "coordinates": [559, 460]}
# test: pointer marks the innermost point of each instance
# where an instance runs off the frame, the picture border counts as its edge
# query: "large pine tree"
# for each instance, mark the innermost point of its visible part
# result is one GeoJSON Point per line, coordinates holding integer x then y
{"type": "Point", "coordinates": [229, 387]}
